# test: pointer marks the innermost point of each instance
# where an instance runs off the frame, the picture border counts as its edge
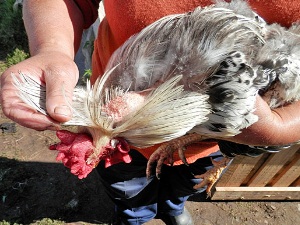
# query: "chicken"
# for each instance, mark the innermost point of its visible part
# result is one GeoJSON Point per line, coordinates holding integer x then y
{"type": "Point", "coordinates": [115, 117]}
{"type": "Point", "coordinates": [183, 79]}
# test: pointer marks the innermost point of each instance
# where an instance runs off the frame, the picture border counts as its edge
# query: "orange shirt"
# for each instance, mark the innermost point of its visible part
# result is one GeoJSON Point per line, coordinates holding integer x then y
{"type": "Point", "coordinates": [127, 17]}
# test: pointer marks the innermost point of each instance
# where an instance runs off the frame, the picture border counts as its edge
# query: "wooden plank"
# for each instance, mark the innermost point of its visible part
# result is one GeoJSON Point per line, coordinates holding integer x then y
{"type": "Point", "coordinates": [271, 167]}
{"type": "Point", "coordinates": [296, 183]}
{"type": "Point", "coordinates": [259, 163]}
{"type": "Point", "coordinates": [256, 193]}
{"type": "Point", "coordinates": [237, 171]}
{"type": "Point", "coordinates": [290, 174]}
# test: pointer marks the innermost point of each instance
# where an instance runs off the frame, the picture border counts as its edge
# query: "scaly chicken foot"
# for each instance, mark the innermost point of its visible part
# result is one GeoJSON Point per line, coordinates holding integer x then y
{"type": "Point", "coordinates": [166, 150]}
{"type": "Point", "coordinates": [211, 176]}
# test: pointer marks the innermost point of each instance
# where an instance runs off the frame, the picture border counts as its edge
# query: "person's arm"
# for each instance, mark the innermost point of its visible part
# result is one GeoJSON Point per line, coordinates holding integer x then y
{"type": "Point", "coordinates": [54, 29]}
{"type": "Point", "coordinates": [278, 126]}
{"type": "Point", "coordinates": [53, 25]}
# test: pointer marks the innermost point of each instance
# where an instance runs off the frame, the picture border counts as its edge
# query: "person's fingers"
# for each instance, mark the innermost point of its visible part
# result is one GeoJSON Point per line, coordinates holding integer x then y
{"type": "Point", "coordinates": [59, 92]}
{"type": "Point", "coordinates": [15, 109]}
{"type": "Point", "coordinates": [28, 117]}
{"type": "Point", "coordinates": [58, 73]}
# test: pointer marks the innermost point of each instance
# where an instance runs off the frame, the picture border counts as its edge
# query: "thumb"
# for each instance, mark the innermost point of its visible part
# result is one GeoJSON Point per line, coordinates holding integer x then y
{"type": "Point", "coordinates": [59, 93]}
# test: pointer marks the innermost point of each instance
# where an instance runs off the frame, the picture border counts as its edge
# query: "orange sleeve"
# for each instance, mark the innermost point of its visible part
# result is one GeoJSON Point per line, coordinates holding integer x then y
{"type": "Point", "coordinates": [104, 46]}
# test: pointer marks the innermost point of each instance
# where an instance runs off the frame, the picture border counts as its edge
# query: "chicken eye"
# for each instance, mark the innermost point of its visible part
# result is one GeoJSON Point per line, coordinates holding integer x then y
{"type": "Point", "coordinates": [114, 142]}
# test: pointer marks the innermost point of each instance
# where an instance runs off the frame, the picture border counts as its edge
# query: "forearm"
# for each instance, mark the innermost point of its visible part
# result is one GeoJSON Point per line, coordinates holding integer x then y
{"type": "Point", "coordinates": [53, 25]}
{"type": "Point", "coordinates": [288, 127]}
{"type": "Point", "coordinates": [275, 127]}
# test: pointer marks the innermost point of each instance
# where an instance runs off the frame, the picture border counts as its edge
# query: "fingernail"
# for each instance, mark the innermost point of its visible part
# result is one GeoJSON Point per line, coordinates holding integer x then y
{"type": "Point", "coordinates": [63, 110]}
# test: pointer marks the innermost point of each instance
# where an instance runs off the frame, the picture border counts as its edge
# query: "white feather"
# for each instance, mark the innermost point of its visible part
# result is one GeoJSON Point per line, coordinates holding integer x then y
{"type": "Point", "coordinates": [31, 92]}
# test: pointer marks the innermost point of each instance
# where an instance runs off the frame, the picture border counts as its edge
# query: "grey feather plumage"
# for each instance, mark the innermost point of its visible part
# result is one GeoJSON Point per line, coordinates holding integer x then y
{"type": "Point", "coordinates": [196, 44]}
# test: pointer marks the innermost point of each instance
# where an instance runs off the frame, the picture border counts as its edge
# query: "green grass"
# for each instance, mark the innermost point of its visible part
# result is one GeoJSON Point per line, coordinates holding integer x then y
{"type": "Point", "coordinates": [13, 58]}
{"type": "Point", "coordinates": [45, 221]}
{"type": "Point", "coordinates": [12, 30]}
{"type": "Point", "coordinates": [13, 38]}
{"type": "Point", "coordinates": [2, 69]}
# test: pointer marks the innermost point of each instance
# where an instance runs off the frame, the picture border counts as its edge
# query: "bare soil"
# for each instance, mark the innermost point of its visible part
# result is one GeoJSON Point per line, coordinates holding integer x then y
{"type": "Point", "coordinates": [34, 186]}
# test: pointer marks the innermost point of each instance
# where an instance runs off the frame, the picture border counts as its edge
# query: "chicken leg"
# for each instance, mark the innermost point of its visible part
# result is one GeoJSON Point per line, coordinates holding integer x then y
{"type": "Point", "coordinates": [212, 175]}
{"type": "Point", "coordinates": [166, 150]}
{"type": "Point", "coordinates": [165, 153]}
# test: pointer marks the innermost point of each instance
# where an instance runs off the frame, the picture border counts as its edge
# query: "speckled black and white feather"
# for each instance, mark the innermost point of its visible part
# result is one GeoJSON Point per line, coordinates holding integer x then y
{"type": "Point", "coordinates": [281, 56]}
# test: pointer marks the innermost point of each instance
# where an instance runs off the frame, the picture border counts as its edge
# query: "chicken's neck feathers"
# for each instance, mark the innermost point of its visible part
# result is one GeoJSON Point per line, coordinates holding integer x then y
{"type": "Point", "coordinates": [99, 96]}
{"type": "Point", "coordinates": [168, 112]}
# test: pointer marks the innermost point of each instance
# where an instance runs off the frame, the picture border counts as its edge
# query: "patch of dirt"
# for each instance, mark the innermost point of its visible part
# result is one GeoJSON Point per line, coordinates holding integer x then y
{"type": "Point", "coordinates": [34, 186]}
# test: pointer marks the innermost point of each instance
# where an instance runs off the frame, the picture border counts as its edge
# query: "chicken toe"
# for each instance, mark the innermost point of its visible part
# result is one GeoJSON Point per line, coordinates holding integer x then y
{"type": "Point", "coordinates": [165, 152]}
{"type": "Point", "coordinates": [211, 176]}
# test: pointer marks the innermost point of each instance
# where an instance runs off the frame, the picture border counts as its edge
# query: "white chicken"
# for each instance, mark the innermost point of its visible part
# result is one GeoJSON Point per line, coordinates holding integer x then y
{"type": "Point", "coordinates": [196, 73]}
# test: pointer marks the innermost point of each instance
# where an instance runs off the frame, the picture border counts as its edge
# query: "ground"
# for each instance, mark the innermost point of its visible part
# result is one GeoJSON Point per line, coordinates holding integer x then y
{"type": "Point", "coordinates": [34, 186]}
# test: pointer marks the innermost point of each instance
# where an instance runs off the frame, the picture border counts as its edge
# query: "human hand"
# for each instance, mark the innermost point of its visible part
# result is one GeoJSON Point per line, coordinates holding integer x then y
{"type": "Point", "coordinates": [278, 126]}
{"type": "Point", "coordinates": [59, 74]}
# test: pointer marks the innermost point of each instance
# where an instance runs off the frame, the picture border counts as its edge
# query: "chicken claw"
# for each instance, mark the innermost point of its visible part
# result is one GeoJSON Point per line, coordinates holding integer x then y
{"type": "Point", "coordinates": [212, 175]}
{"type": "Point", "coordinates": [166, 150]}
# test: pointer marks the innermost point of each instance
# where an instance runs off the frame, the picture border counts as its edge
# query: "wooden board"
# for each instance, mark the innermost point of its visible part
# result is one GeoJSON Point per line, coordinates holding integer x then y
{"type": "Point", "coordinates": [273, 164]}
{"type": "Point", "coordinates": [256, 193]}
{"type": "Point", "coordinates": [239, 170]}
{"type": "Point", "coordinates": [289, 174]}
{"type": "Point", "coordinates": [267, 177]}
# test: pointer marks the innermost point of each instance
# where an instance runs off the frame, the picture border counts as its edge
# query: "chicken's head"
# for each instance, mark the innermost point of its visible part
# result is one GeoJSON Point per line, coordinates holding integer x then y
{"type": "Point", "coordinates": [79, 152]}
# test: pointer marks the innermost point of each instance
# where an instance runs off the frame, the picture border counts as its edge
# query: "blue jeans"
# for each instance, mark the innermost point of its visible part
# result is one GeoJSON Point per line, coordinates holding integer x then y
{"type": "Point", "coordinates": [139, 199]}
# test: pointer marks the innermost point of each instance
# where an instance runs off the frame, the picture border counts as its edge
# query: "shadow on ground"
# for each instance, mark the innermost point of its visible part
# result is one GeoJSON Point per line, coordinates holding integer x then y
{"type": "Point", "coordinates": [31, 191]}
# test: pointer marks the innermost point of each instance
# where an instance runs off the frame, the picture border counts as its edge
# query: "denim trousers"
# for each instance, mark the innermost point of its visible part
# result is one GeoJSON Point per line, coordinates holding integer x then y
{"type": "Point", "coordinates": [139, 199]}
